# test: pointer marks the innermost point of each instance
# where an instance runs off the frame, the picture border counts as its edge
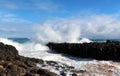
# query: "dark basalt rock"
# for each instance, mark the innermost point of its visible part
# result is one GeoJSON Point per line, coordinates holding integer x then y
{"type": "Point", "coordinates": [62, 74]}
{"type": "Point", "coordinates": [12, 64]}
{"type": "Point", "coordinates": [8, 52]}
{"type": "Point", "coordinates": [109, 50]}
{"type": "Point", "coordinates": [44, 72]}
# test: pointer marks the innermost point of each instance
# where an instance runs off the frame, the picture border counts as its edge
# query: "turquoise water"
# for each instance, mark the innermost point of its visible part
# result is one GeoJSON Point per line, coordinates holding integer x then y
{"type": "Point", "coordinates": [20, 40]}
{"type": "Point", "coordinates": [24, 40]}
{"type": "Point", "coordinates": [101, 40]}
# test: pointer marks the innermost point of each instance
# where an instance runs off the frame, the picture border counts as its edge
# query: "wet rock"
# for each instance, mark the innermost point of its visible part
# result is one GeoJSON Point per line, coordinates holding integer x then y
{"type": "Point", "coordinates": [71, 67]}
{"type": "Point", "coordinates": [44, 72]}
{"type": "Point", "coordinates": [62, 74]}
{"type": "Point", "coordinates": [30, 63]}
{"type": "Point", "coordinates": [22, 71]}
{"type": "Point", "coordinates": [34, 69]}
{"type": "Point", "coordinates": [21, 64]}
{"type": "Point", "coordinates": [12, 64]}
{"type": "Point", "coordinates": [109, 50]}
{"type": "Point", "coordinates": [13, 68]}
{"type": "Point", "coordinates": [52, 63]}
{"type": "Point", "coordinates": [31, 74]}
{"type": "Point", "coordinates": [21, 58]}
{"type": "Point", "coordinates": [40, 61]}
{"type": "Point", "coordinates": [74, 74]}
{"type": "Point", "coordinates": [8, 52]}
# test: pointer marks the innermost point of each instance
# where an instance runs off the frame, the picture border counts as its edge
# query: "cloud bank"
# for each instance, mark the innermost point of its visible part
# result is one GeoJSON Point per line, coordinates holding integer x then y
{"type": "Point", "coordinates": [101, 26]}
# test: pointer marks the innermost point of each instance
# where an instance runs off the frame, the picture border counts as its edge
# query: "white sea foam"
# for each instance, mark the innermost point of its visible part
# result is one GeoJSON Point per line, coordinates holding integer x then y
{"type": "Point", "coordinates": [10, 42]}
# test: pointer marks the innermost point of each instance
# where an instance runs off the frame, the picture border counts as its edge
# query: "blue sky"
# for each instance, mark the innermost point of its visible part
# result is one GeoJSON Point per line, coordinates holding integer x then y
{"type": "Point", "coordinates": [19, 17]}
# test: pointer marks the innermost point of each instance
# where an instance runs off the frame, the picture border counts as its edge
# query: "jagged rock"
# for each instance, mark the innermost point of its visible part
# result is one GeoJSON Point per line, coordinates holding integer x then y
{"type": "Point", "coordinates": [44, 72]}
{"type": "Point", "coordinates": [30, 63]}
{"type": "Point", "coordinates": [31, 74]}
{"type": "Point", "coordinates": [75, 74]}
{"type": "Point", "coordinates": [21, 64]}
{"type": "Point", "coordinates": [8, 52]}
{"type": "Point", "coordinates": [52, 63]}
{"type": "Point", "coordinates": [12, 64]}
{"type": "Point", "coordinates": [62, 74]}
{"type": "Point", "coordinates": [109, 50]}
{"type": "Point", "coordinates": [13, 68]}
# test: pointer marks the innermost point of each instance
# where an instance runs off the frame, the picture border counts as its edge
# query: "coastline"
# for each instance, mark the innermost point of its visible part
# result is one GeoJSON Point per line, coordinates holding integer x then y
{"type": "Point", "coordinates": [12, 64]}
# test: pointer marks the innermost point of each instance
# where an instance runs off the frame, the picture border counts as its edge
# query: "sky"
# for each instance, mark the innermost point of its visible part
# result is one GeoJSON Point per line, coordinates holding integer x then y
{"type": "Point", "coordinates": [96, 18]}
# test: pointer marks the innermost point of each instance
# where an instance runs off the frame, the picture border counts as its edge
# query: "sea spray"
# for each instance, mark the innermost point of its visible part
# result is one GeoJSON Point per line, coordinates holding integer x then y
{"type": "Point", "coordinates": [49, 33]}
{"type": "Point", "coordinates": [37, 50]}
{"type": "Point", "coordinates": [58, 33]}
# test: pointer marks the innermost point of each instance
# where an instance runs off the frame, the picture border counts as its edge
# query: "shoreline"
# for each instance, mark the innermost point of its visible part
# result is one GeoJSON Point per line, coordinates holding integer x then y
{"type": "Point", "coordinates": [12, 64]}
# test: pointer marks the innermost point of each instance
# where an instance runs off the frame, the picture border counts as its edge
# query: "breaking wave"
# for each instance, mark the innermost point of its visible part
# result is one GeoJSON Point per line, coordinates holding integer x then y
{"type": "Point", "coordinates": [49, 33]}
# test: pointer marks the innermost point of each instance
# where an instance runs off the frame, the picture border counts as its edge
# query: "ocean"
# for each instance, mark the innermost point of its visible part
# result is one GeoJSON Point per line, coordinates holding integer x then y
{"type": "Point", "coordinates": [30, 48]}
{"type": "Point", "coordinates": [20, 40]}
{"type": "Point", "coordinates": [24, 40]}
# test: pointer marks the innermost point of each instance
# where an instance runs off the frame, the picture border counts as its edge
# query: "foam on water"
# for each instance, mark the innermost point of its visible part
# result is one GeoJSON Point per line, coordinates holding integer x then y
{"type": "Point", "coordinates": [10, 42]}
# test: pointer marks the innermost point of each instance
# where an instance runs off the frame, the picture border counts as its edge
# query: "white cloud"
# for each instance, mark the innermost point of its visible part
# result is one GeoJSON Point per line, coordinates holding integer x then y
{"type": "Point", "coordinates": [7, 17]}
{"type": "Point", "coordinates": [15, 20]}
{"type": "Point", "coordinates": [93, 26]}
{"type": "Point", "coordinates": [8, 30]}
{"type": "Point", "coordinates": [102, 26]}
{"type": "Point", "coordinates": [46, 5]}
{"type": "Point", "coordinates": [8, 4]}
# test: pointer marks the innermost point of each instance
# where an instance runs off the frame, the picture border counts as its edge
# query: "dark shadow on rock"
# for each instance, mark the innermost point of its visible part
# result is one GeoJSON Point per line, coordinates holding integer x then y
{"type": "Point", "coordinates": [109, 50]}
{"type": "Point", "coordinates": [70, 57]}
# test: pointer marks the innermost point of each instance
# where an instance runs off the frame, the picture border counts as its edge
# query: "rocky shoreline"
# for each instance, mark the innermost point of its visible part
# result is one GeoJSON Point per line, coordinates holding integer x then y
{"type": "Point", "coordinates": [12, 64]}
{"type": "Point", "coordinates": [109, 50]}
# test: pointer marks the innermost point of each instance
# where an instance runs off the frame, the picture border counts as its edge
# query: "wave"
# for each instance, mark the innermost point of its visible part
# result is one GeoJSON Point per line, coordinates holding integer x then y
{"type": "Point", "coordinates": [11, 42]}
{"type": "Point", "coordinates": [59, 33]}
{"type": "Point", "coordinates": [49, 33]}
